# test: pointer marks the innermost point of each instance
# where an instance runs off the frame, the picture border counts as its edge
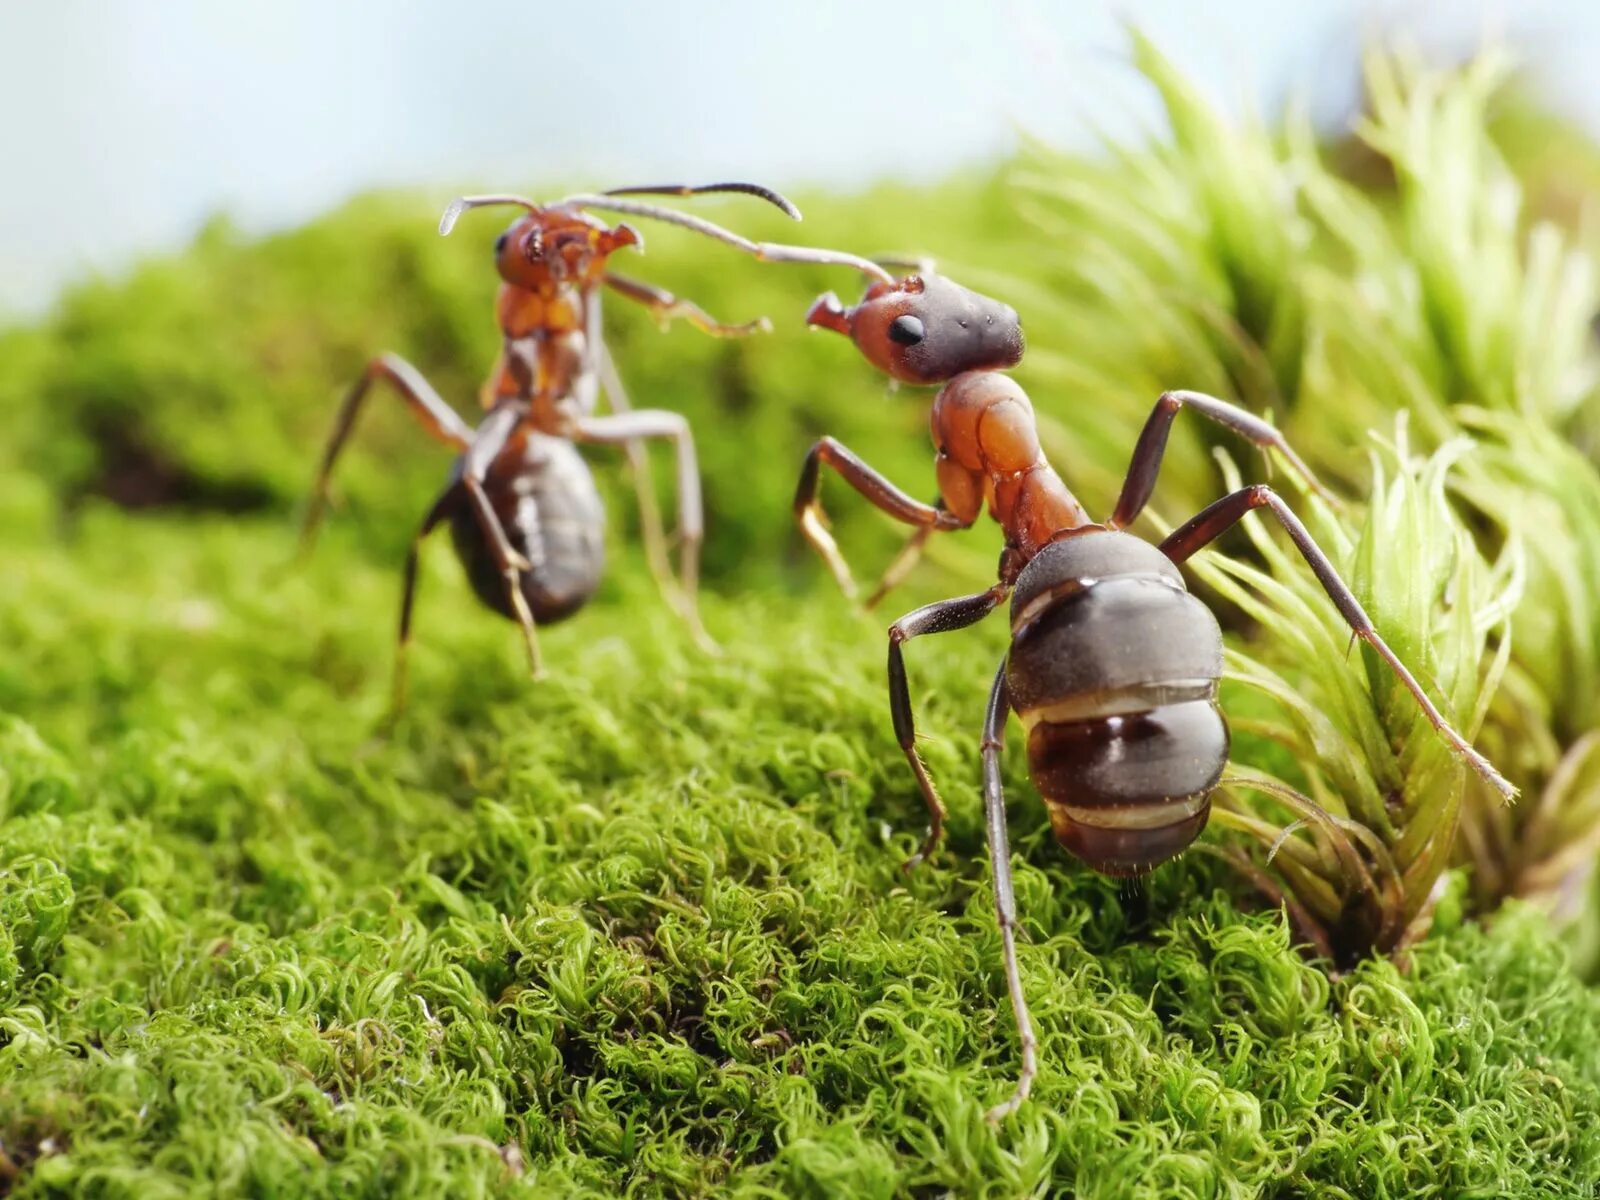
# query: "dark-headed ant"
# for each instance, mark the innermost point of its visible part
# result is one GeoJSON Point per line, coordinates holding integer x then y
{"type": "Point", "coordinates": [525, 518]}
{"type": "Point", "coordinates": [1113, 665]}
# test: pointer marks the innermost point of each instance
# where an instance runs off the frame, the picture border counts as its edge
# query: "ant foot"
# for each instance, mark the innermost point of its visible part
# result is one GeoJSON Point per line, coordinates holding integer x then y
{"type": "Point", "coordinates": [1001, 1111]}
{"type": "Point", "coordinates": [814, 526]}
{"type": "Point", "coordinates": [930, 843]}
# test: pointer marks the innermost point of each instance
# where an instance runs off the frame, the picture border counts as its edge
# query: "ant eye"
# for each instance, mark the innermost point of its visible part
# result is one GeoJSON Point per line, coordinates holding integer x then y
{"type": "Point", "coordinates": [905, 330]}
{"type": "Point", "coordinates": [500, 244]}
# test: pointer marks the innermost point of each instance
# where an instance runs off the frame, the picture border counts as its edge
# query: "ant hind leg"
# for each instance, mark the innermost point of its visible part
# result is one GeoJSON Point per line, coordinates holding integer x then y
{"type": "Point", "coordinates": [1212, 522]}
{"type": "Point", "coordinates": [442, 508]}
{"type": "Point", "coordinates": [1145, 464]}
{"type": "Point", "coordinates": [634, 425]}
{"type": "Point", "coordinates": [488, 442]}
{"type": "Point", "coordinates": [651, 531]}
{"type": "Point", "coordinates": [1005, 900]}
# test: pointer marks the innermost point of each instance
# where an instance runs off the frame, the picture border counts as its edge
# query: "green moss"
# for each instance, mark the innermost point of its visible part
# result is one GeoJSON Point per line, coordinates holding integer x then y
{"type": "Point", "coordinates": [641, 928]}
{"type": "Point", "coordinates": [645, 924]}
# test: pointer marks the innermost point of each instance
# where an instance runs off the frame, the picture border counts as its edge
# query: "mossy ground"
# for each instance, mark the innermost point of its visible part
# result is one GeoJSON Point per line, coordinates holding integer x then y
{"type": "Point", "coordinates": [639, 928]}
{"type": "Point", "coordinates": [642, 927]}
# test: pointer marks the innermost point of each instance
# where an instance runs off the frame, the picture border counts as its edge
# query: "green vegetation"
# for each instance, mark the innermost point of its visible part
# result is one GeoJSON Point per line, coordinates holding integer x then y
{"type": "Point", "coordinates": [1431, 296]}
{"type": "Point", "coordinates": [641, 928]}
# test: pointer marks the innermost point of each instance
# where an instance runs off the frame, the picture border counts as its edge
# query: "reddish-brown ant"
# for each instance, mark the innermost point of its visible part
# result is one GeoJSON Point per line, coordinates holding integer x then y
{"type": "Point", "coordinates": [1113, 665]}
{"type": "Point", "coordinates": [525, 518]}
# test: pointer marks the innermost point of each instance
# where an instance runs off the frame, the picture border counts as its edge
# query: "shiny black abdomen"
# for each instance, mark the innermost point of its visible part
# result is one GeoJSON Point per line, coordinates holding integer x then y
{"type": "Point", "coordinates": [543, 493]}
{"type": "Point", "coordinates": [1113, 671]}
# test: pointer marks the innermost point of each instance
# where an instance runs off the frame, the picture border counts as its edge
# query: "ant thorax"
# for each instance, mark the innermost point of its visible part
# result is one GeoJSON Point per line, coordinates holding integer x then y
{"type": "Point", "coordinates": [546, 357]}
{"type": "Point", "coordinates": [555, 307]}
{"type": "Point", "coordinates": [552, 373]}
{"type": "Point", "coordinates": [989, 454]}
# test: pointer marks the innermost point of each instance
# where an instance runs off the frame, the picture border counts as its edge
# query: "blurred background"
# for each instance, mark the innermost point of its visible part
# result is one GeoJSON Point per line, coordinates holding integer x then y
{"type": "Point", "coordinates": [143, 119]}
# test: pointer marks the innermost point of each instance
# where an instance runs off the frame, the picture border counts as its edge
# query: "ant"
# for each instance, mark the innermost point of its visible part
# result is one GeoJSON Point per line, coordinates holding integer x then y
{"type": "Point", "coordinates": [1113, 664]}
{"type": "Point", "coordinates": [525, 517]}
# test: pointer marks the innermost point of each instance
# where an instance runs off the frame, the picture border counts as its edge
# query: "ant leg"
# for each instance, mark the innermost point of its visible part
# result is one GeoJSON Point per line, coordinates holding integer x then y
{"type": "Point", "coordinates": [436, 416]}
{"type": "Point", "coordinates": [877, 489]}
{"type": "Point", "coordinates": [940, 617]}
{"type": "Point", "coordinates": [665, 306]}
{"type": "Point", "coordinates": [658, 423]}
{"type": "Point", "coordinates": [910, 554]}
{"type": "Point", "coordinates": [442, 507]}
{"type": "Point", "coordinates": [1146, 461]}
{"type": "Point", "coordinates": [1005, 900]}
{"type": "Point", "coordinates": [1231, 509]}
{"type": "Point", "coordinates": [489, 441]}
{"type": "Point", "coordinates": [650, 528]}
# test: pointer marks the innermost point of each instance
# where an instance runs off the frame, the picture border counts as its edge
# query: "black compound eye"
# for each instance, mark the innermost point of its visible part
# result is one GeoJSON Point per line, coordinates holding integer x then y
{"type": "Point", "coordinates": [500, 243]}
{"type": "Point", "coordinates": [905, 330]}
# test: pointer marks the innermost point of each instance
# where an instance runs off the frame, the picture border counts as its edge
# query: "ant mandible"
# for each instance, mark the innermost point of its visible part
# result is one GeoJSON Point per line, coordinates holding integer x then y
{"type": "Point", "coordinates": [1113, 664]}
{"type": "Point", "coordinates": [525, 518]}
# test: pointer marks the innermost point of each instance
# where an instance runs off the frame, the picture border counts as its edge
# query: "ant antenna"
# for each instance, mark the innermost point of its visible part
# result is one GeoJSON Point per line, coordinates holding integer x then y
{"type": "Point", "coordinates": [461, 204]}
{"type": "Point", "coordinates": [776, 199]}
{"type": "Point", "coordinates": [764, 251]}
{"type": "Point", "coordinates": [922, 264]}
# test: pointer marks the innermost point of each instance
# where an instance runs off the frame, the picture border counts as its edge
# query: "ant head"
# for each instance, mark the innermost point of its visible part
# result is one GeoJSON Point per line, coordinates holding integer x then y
{"type": "Point", "coordinates": [560, 241]}
{"type": "Point", "coordinates": [553, 245]}
{"type": "Point", "coordinates": [925, 328]}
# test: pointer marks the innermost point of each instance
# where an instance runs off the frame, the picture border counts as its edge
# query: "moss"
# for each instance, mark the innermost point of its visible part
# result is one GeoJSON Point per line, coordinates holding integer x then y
{"type": "Point", "coordinates": [643, 927]}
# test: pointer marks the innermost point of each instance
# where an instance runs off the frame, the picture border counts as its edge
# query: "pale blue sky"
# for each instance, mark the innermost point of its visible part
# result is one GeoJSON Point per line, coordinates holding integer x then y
{"type": "Point", "coordinates": [128, 122]}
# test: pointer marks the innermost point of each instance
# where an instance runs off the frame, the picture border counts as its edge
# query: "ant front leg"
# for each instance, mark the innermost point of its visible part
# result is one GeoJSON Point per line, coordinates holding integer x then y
{"type": "Point", "coordinates": [658, 423]}
{"type": "Point", "coordinates": [664, 306]}
{"type": "Point", "coordinates": [878, 490]}
{"type": "Point", "coordinates": [940, 617]}
{"type": "Point", "coordinates": [1005, 900]}
{"type": "Point", "coordinates": [1146, 462]}
{"type": "Point", "coordinates": [437, 417]}
{"type": "Point", "coordinates": [909, 556]}
{"type": "Point", "coordinates": [1230, 510]}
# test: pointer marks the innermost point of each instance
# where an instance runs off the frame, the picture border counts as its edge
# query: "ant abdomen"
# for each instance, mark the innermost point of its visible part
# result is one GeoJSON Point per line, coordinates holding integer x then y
{"type": "Point", "coordinates": [1113, 671]}
{"type": "Point", "coordinates": [547, 503]}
